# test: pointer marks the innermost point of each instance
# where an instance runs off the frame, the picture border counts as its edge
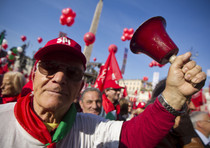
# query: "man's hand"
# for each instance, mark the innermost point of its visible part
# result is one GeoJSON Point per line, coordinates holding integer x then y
{"type": "Point", "coordinates": [184, 79]}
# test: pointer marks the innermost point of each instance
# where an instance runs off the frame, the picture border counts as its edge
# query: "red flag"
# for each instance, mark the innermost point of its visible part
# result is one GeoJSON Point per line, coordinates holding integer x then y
{"type": "Point", "coordinates": [198, 99]}
{"type": "Point", "coordinates": [125, 94]}
{"type": "Point", "coordinates": [150, 95]}
{"type": "Point", "coordinates": [134, 100]}
{"type": "Point", "coordinates": [109, 71]}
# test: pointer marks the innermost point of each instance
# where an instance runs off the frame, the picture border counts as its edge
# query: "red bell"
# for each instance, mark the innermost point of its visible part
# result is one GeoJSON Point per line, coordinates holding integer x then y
{"type": "Point", "coordinates": [152, 39]}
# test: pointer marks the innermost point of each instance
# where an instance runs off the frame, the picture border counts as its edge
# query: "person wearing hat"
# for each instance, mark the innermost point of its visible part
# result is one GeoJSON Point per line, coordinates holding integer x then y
{"type": "Point", "coordinates": [47, 116]}
{"type": "Point", "coordinates": [111, 96]}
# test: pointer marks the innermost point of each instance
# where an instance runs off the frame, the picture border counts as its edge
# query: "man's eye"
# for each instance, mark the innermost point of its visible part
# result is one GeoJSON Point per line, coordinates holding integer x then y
{"type": "Point", "coordinates": [89, 102]}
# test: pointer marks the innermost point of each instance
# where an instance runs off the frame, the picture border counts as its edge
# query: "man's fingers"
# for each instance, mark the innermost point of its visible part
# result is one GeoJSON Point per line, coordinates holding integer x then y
{"type": "Point", "coordinates": [191, 73]}
{"type": "Point", "coordinates": [181, 60]}
{"type": "Point", "coordinates": [199, 77]}
{"type": "Point", "coordinates": [189, 65]}
{"type": "Point", "coordinates": [198, 80]}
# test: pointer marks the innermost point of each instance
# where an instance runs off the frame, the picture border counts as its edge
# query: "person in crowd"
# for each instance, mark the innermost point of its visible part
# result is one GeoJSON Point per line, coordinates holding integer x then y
{"type": "Point", "coordinates": [111, 96]}
{"type": "Point", "coordinates": [11, 86]}
{"type": "Point", "coordinates": [48, 118]}
{"type": "Point", "coordinates": [91, 101]}
{"type": "Point", "coordinates": [130, 110]}
{"type": "Point", "coordinates": [123, 109]}
{"type": "Point", "coordinates": [182, 135]}
{"type": "Point", "coordinates": [201, 123]}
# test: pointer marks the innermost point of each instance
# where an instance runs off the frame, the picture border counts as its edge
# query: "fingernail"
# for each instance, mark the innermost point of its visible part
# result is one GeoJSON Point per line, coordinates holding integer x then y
{"type": "Point", "coordinates": [188, 76]}
{"type": "Point", "coordinates": [194, 80]}
{"type": "Point", "coordinates": [185, 69]}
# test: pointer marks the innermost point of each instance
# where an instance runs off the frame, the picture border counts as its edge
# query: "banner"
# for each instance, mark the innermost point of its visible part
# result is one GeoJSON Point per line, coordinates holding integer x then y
{"type": "Point", "coordinates": [198, 99]}
{"type": "Point", "coordinates": [109, 71]}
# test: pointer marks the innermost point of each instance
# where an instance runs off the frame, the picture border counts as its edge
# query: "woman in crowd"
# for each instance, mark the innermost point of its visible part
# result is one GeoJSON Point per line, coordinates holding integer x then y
{"type": "Point", "coordinates": [11, 86]}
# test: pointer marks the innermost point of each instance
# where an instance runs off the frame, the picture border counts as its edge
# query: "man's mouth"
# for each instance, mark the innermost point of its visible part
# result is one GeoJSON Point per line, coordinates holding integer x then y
{"type": "Point", "coordinates": [57, 92]}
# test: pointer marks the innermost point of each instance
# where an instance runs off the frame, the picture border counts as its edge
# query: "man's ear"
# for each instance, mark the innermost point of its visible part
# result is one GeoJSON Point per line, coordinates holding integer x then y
{"type": "Point", "coordinates": [198, 123]}
{"type": "Point", "coordinates": [33, 71]}
{"type": "Point", "coordinates": [80, 103]}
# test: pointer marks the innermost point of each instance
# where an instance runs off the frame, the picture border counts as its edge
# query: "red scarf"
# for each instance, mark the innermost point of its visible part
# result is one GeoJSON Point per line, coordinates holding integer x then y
{"type": "Point", "coordinates": [9, 99]}
{"type": "Point", "coordinates": [109, 106]}
{"type": "Point", "coordinates": [25, 115]}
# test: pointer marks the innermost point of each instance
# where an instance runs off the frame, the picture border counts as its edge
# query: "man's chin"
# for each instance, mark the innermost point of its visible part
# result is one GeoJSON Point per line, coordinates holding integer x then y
{"type": "Point", "coordinates": [54, 103]}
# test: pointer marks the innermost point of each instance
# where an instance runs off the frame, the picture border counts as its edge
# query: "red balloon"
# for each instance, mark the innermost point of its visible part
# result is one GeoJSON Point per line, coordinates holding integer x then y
{"type": "Point", "coordinates": [69, 11]}
{"type": "Point", "coordinates": [67, 17]}
{"type": "Point", "coordinates": [125, 30]}
{"type": "Point", "coordinates": [23, 38]}
{"type": "Point", "coordinates": [130, 36]}
{"type": "Point", "coordinates": [156, 63]}
{"type": "Point", "coordinates": [4, 46]}
{"type": "Point", "coordinates": [150, 64]}
{"type": "Point", "coordinates": [39, 39]}
{"type": "Point", "coordinates": [73, 14]}
{"type": "Point", "coordinates": [69, 21]}
{"type": "Point", "coordinates": [131, 31]}
{"type": "Point", "coordinates": [63, 20]}
{"type": "Point", "coordinates": [145, 78]}
{"type": "Point", "coordinates": [123, 38]}
{"type": "Point", "coordinates": [153, 62]}
{"type": "Point", "coordinates": [113, 48]}
{"type": "Point", "coordinates": [126, 36]}
{"type": "Point", "coordinates": [94, 59]}
{"type": "Point", "coordinates": [64, 12]}
{"type": "Point", "coordinates": [89, 38]}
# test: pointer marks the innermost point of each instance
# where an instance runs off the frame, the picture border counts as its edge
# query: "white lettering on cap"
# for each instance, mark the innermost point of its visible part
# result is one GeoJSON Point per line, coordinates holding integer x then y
{"type": "Point", "coordinates": [64, 40]}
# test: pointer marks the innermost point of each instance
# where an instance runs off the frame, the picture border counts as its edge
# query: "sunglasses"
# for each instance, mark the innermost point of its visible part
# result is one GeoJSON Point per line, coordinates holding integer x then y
{"type": "Point", "coordinates": [115, 89]}
{"type": "Point", "coordinates": [51, 68]}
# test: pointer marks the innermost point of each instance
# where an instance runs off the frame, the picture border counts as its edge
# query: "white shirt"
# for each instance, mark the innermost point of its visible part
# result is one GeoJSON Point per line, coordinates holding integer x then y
{"type": "Point", "coordinates": [88, 131]}
{"type": "Point", "coordinates": [203, 137]}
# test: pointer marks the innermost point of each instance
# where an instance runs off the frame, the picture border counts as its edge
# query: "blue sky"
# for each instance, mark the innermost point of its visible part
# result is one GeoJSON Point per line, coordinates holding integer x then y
{"type": "Point", "coordinates": [188, 25]}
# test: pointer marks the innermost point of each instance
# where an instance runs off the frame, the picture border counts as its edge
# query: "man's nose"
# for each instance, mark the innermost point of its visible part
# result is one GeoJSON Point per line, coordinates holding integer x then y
{"type": "Point", "coordinates": [94, 105]}
{"type": "Point", "coordinates": [60, 77]}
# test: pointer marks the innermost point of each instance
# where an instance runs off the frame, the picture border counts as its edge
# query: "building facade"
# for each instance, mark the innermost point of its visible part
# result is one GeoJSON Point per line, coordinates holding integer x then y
{"type": "Point", "coordinates": [137, 88]}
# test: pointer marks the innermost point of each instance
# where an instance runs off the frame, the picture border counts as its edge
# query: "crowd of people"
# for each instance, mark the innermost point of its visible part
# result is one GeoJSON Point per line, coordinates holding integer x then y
{"type": "Point", "coordinates": [50, 110]}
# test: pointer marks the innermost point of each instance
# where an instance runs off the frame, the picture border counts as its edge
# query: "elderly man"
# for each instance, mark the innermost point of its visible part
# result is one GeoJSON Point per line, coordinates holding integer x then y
{"type": "Point", "coordinates": [91, 101]}
{"type": "Point", "coordinates": [201, 123]}
{"type": "Point", "coordinates": [48, 118]}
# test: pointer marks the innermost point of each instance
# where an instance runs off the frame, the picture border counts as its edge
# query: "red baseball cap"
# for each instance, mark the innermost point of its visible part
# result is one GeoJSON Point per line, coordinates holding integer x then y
{"type": "Point", "coordinates": [112, 84]}
{"type": "Point", "coordinates": [63, 44]}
